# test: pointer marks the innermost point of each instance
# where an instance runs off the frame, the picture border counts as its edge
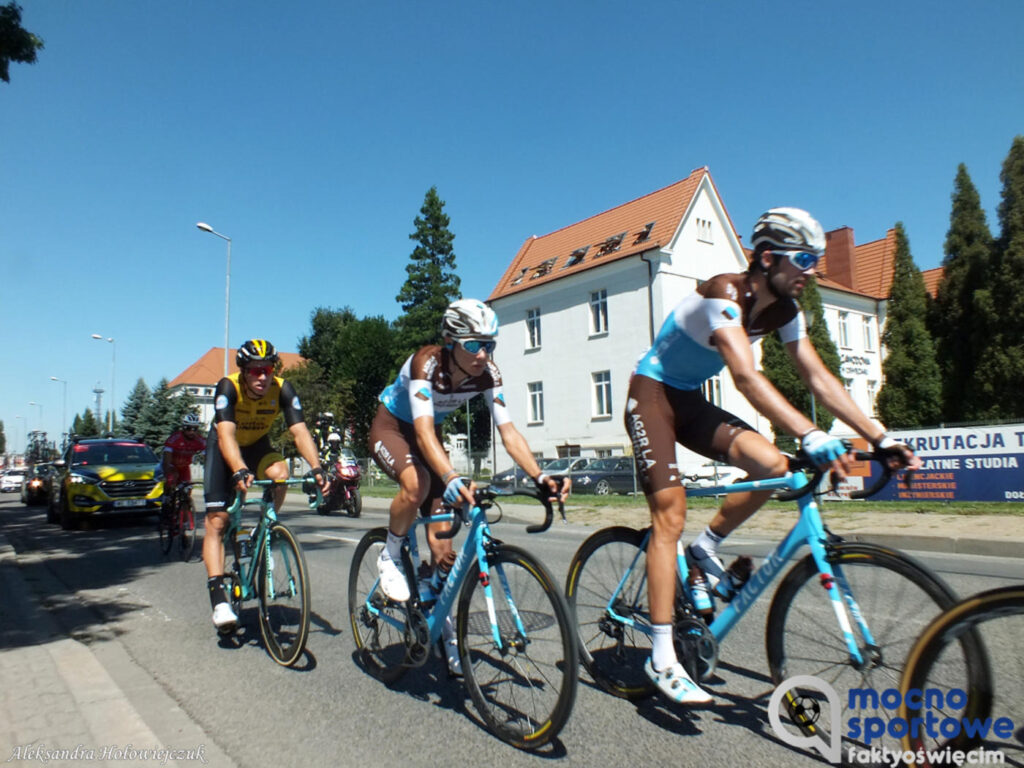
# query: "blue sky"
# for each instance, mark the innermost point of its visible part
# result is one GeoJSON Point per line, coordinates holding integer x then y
{"type": "Point", "coordinates": [310, 131]}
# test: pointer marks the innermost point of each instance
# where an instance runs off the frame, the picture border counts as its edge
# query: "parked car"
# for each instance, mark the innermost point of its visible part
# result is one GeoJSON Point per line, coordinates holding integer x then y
{"type": "Point", "coordinates": [516, 475]}
{"type": "Point", "coordinates": [105, 476]}
{"type": "Point", "coordinates": [566, 466]}
{"type": "Point", "coordinates": [604, 476]}
{"type": "Point", "coordinates": [11, 481]}
{"type": "Point", "coordinates": [35, 487]}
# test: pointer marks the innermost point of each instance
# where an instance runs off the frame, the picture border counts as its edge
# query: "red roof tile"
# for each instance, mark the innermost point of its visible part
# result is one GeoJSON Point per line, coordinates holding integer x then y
{"type": "Point", "coordinates": [932, 278]}
{"type": "Point", "coordinates": [640, 225]}
{"type": "Point", "coordinates": [871, 269]}
{"type": "Point", "coordinates": [208, 369]}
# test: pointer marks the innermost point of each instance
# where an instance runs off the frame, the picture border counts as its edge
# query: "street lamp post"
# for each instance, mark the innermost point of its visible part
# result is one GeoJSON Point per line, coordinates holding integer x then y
{"type": "Point", "coordinates": [113, 369]}
{"type": "Point", "coordinates": [64, 410]}
{"type": "Point", "coordinates": [227, 288]}
{"type": "Point", "coordinates": [39, 424]}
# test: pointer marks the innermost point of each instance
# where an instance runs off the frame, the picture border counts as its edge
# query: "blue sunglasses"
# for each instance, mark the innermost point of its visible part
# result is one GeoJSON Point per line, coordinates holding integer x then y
{"type": "Point", "coordinates": [473, 346]}
{"type": "Point", "coordinates": [803, 260]}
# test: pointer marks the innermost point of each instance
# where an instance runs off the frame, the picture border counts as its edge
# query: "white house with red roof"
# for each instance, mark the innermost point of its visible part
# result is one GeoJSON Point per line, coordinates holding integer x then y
{"type": "Point", "coordinates": [579, 306]}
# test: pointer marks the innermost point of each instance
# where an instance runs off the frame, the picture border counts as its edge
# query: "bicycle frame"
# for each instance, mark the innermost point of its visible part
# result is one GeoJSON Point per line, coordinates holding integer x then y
{"type": "Point", "coordinates": [475, 544]}
{"type": "Point", "coordinates": [808, 530]}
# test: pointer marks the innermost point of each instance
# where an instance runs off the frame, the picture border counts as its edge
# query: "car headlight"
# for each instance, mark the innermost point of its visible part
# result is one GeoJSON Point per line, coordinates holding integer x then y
{"type": "Point", "coordinates": [76, 477]}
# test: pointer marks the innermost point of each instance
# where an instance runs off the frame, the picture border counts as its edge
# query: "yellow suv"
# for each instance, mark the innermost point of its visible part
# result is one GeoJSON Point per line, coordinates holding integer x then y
{"type": "Point", "coordinates": [103, 476]}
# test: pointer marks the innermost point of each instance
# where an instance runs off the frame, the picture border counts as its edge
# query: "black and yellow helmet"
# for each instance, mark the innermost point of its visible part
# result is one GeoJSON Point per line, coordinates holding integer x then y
{"type": "Point", "coordinates": [256, 351]}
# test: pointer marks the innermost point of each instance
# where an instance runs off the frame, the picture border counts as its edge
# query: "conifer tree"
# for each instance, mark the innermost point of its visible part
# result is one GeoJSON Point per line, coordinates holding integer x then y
{"type": "Point", "coordinates": [999, 378]}
{"type": "Point", "coordinates": [133, 406]}
{"type": "Point", "coordinates": [86, 425]}
{"type": "Point", "coordinates": [911, 394]}
{"type": "Point", "coordinates": [431, 284]}
{"type": "Point", "coordinates": [956, 324]}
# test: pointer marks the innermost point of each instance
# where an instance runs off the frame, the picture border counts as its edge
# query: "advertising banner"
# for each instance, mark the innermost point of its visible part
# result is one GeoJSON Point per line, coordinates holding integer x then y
{"type": "Point", "coordinates": [960, 464]}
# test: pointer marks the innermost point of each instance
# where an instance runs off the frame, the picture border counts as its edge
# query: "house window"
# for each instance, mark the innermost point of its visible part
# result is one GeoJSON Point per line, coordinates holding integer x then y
{"type": "Point", "coordinates": [872, 396]}
{"type": "Point", "coordinates": [602, 401]}
{"type": "Point", "coordinates": [869, 333]}
{"type": "Point", "coordinates": [533, 328]}
{"type": "Point", "coordinates": [712, 390]}
{"type": "Point", "coordinates": [848, 386]}
{"type": "Point", "coordinates": [536, 390]}
{"type": "Point", "coordinates": [704, 231]}
{"type": "Point", "coordinates": [598, 312]}
{"type": "Point", "coordinates": [844, 329]}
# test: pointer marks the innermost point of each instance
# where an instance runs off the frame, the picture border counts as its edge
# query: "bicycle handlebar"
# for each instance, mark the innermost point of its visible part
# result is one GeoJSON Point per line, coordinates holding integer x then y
{"type": "Point", "coordinates": [802, 462]}
{"type": "Point", "coordinates": [484, 496]}
{"type": "Point", "coordinates": [240, 499]}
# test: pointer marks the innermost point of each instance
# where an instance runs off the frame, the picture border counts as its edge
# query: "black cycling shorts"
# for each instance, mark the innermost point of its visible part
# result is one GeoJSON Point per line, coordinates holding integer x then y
{"type": "Point", "coordinates": [218, 487]}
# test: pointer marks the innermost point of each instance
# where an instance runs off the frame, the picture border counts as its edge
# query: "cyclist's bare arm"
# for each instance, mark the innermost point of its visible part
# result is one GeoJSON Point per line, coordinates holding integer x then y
{"type": "Point", "coordinates": [306, 447]}
{"type": "Point", "coordinates": [519, 450]}
{"type": "Point", "coordinates": [734, 347]}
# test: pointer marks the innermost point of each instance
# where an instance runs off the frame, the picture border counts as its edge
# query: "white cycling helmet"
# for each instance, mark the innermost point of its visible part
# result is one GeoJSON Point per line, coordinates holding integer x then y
{"type": "Point", "coordinates": [469, 319]}
{"type": "Point", "coordinates": [190, 421]}
{"type": "Point", "coordinates": [788, 229]}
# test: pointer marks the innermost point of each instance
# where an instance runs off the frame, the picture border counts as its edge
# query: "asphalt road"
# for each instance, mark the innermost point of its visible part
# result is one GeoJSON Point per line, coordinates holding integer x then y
{"type": "Point", "coordinates": [112, 585]}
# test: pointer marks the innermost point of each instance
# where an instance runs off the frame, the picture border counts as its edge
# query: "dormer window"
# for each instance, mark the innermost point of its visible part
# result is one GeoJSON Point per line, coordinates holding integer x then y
{"type": "Point", "coordinates": [644, 234]}
{"type": "Point", "coordinates": [542, 269]}
{"type": "Point", "coordinates": [520, 276]}
{"type": "Point", "coordinates": [611, 244]}
{"type": "Point", "coordinates": [576, 256]}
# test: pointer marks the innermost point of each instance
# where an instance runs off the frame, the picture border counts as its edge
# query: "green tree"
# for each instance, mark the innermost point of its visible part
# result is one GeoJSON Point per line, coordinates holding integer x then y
{"type": "Point", "coordinates": [162, 414]}
{"type": "Point", "coordinates": [316, 395]}
{"type": "Point", "coordinates": [779, 369]}
{"type": "Point", "coordinates": [955, 322]}
{"type": "Point", "coordinates": [356, 362]}
{"type": "Point", "coordinates": [16, 43]}
{"type": "Point", "coordinates": [133, 406]}
{"type": "Point", "coordinates": [86, 425]}
{"type": "Point", "coordinates": [431, 284]}
{"type": "Point", "coordinates": [999, 378]}
{"type": "Point", "coordinates": [912, 392]}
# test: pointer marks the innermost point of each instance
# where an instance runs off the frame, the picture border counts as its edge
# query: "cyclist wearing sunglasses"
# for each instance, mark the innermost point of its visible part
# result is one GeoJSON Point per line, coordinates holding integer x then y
{"type": "Point", "coordinates": [716, 327]}
{"type": "Point", "coordinates": [179, 449]}
{"type": "Point", "coordinates": [238, 450]}
{"type": "Point", "coordinates": [406, 439]}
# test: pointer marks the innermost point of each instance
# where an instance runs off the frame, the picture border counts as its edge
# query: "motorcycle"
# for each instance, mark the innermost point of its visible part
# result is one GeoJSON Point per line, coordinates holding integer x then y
{"type": "Point", "coordinates": [344, 475]}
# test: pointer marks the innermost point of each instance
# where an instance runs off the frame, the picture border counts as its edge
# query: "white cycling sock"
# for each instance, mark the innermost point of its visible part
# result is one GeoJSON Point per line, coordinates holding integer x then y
{"type": "Point", "coordinates": [706, 544]}
{"type": "Point", "coordinates": [394, 546]}
{"type": "Point", "coordinates": [663, 653]}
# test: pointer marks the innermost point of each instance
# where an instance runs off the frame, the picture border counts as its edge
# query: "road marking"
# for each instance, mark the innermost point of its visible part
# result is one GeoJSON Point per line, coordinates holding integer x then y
{"type": "Point", "coordinates": [337, 538]}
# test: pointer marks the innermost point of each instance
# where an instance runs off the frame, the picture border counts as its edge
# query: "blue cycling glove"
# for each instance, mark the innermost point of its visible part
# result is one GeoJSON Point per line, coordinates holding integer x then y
{"type": "Point", "coordinates": [451, 491]}
{"type": "Point", "coordinates": [822, 448]}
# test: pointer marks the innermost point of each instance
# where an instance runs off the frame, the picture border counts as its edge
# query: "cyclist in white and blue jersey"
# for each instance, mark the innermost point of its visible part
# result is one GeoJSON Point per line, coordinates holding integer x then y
{"type": "Point", "coordinates": [711, 329]}
{"type": "Point", "coordinates": [405, 439]}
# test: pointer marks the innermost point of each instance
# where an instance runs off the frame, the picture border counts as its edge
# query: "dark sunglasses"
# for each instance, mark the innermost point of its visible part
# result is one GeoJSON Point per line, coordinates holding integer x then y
{"type": "Point", "coordinates": [473, 346]}
{"type": "Point", "coordinates": [260, 370]}
{"type": "Point", "coordinates": [803, 260]}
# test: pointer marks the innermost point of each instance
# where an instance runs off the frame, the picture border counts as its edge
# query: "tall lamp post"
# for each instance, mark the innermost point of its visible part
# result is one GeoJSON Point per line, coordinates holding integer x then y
{"type": "Point", "coordinates": [113, 369]}
{"type": "Point", "coordinates": [39, 424]}
{"type": "Point", "coordinates": [64, 410]}
{"type": "Point", "coordinates": [227, 288]}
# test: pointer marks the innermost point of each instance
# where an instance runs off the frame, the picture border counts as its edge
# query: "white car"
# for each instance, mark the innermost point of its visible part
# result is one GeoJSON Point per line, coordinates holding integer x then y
{"type": "Point", "coordinates": [11, 481]}
{"type": "Point", "coordinates": [713, 473]}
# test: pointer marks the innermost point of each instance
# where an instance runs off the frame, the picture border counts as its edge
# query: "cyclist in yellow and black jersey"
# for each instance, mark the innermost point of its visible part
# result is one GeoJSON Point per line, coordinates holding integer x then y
{"type": "Point", "coordinates": [238, 450]}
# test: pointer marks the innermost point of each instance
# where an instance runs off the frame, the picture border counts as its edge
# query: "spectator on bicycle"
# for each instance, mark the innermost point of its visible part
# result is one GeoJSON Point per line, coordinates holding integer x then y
{"type": "Point", "coordinates": [179, 449]}
{"type": "Point", "coordinates": [405, 438]}
{"type": "Point", "coordinates": [238, 450]}
{"type": "Point", "coordinates": [715, 326]}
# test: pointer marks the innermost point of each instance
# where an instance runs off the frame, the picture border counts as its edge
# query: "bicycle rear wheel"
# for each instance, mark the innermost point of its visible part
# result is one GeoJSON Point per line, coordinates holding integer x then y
{"type": "Point", "coordinates": [283, 589]}
{"type": "Point", "coordinates": [613, 652]}
{"type": "Point", "coordinates": [992, 679]}
{"type": "Point", "coordinates": [378, 623]}
{"type": "Point", "coordinates": [187, 524]}
{"type": "Point", "coordinates": [523, 687]}
{"type": "Point", "coordinates": [897, 598]}
{"type": "Point", "coordinates": [165, 527]}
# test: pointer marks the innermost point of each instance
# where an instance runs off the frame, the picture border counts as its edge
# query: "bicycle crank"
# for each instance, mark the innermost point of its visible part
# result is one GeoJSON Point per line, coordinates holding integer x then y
{"type": "Point", "coordinates": [696, 646]}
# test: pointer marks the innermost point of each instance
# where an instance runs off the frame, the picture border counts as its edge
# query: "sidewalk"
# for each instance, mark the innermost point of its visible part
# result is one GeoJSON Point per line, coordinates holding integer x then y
{"type": "Point", "coordinates": [64, 702]}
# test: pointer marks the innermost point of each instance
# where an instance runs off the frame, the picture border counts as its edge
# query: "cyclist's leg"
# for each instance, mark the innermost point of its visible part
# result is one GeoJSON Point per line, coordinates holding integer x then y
{"type": "Point", "coordinates": [218, 493]}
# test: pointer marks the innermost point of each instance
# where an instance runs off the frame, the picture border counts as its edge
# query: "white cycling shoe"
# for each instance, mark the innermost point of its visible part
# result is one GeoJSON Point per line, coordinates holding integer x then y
{"type": "Point", "coordinates": [224, 619]}
{"type": "Point", "coordinates": [392, 578]}
{"type": "Point", "coordinates": [676, 685]}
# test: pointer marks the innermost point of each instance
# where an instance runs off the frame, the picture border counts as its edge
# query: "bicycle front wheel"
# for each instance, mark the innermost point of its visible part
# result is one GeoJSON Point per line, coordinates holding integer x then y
{"type": "Point", "coordinates": [187, 524]}
{"type": "Point", "coordinates": [165, 528]}
{"type": "Point", "coordinates": [520, 672]}
{"type": "Point", "coordinates": [613, 645]}
{"type": "Point", "coordinates": [992, 678]}
{"type": "Point", "coordinates": [378, 623]}
{"type": "Point", "coordinates": [893, 595]}
{"type": "Point", "coordinates": [283, 589]}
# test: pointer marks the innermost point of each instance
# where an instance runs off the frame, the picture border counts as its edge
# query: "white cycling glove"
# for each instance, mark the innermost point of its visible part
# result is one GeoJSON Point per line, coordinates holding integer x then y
{"type": "Point", "coordinates": [822, 448]}
{"type": "Point", "coordinates": [451, 491]}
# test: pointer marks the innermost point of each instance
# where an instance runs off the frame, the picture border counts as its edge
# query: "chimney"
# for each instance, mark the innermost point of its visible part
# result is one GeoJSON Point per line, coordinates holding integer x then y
{"type": "Point", "coordinates": [839, 265]}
